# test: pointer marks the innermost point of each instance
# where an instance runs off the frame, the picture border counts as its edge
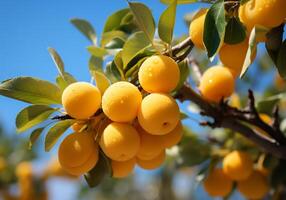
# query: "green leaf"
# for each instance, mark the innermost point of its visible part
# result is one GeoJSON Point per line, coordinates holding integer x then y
{"type": "Point", "coordinates": [214, 27]}
{"type": "Point", "coordinates": [65, 80]}
{"type": "Point", "coordinates": [166, 23]}
{"type": "Point", "coordinates": [85, 28]}
{"type": "Point", "coordinates": [55, 133]}
{"type": "Point", "coordinates": [144, 19]}
{"type": "Point", "coordinates": [114, 20]}
{"type": "Point", "coordinates": [35, 135]}
{"type": "Point", "coordinates": [103, 168]}
{"type": "Point", "coordinates": [95, 68]}
{"type": "Point", "coordinates": [97, 51]}
{"type": "Point", "coordinates": [234, 32]}
{"type": "Point", "coordinates": [184, 73]}
{"type": "Point", "coordinates": [257, 32]}
{"type": "Point", "coordinates": [57, 60]}
{"type": "Point", "coordinates": [31, 116]}
{"type": "Point", "coordinates": [281, 60]}
{"type": "Point", "coordinates": [112, 72]}
{"type": "Point", "coordinates": [268, 103]}
{"type": "Point", "coordinates": [135, 43]}
{"type": "Point", "coordinates": [179, 1]}
{"type": "Point", "coordinates": [31, 90]}
{"type": "Point", "coordinates": [108, 37]}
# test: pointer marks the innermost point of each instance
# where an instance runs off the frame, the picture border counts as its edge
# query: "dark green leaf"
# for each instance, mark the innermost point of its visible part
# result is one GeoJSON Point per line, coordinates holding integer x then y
{"type": "Point", "coordinates": [55, 133]}
{"type": "Point", "coordinates": [112, 72]}
{"type": "Point", "coordinates": [167, 23]}
{"type": "Point", "coordinates": [268, 103]}
{"type": "Point", "coordinates": [135, 43]}
{"type": "Point", "coordinates": [85, 28]}
{"type": "Point", "coordinates": [31, 90]}
{"type": "Point", "coordinates": [97, 51]}
{"type": "Point", "coordinates": [214, 27]}
{"type": "Point", "coordinates": [35, 135]}
{"type": "Point", "coordinates": [278, 175]}
{"type": "Point", "coordinates": [144, 19]}
{"type": "Point", "coordinates": [97, 174]}
{"type": "Point", "coordinates": [31, 116]}
{"type": "Point", "coordinates": [114, 20]}
{"type": "Point", "coordinates": [281, 60]}
{"type": "Point", "coordinates": [234, 32]}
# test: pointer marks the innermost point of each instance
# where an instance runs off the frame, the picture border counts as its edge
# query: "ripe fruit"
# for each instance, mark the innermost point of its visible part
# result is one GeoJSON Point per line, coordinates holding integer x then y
{"type": "Point", "coordinates": [121, 101]}
{"type": "Point", "coordinates": [254, 187]}
{"type": "Point", "coordinates": [238, 165]}
{"type": "Point", "coordinates": [76, 148]}
{"type": "Point", "coordinates": [234, 100]}
{"type": "Point", "coordinates": [174, 137]}
{"type": "Point", "coordinates": [159, 73]}
{"type": "Point", "coordinates": [159, 114]}
{"type": "Point", "coordinates": [24, 169]}
{"type": "Point", "coordinates": [153, 163]}
{"type": "Point", "coordinates": [150, 146]}
{"type": "Point", "coordinates": [216, 83]}
{"type": "Point", "coordinates": [122, 169]}
{"type": "Point", "coordinates": [81, 100]}
{"type": "Point", "coordinates": [232, 56]}
{"type": "Point", "coordinates": [197, 28]}
{"type": "Point", "coordinates": [120, 141]}
{"type": "Point", "coordinates": [217, 183]}
{"type": "Point", "coordinates": [267, 13]}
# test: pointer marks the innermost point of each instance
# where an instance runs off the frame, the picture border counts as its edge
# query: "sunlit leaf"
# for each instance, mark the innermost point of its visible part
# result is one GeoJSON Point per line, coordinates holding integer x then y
{"type": "Point", "coordinates": [56, 132]}
{"type": "Point", "coordinates": [35, 135]}
{"type": "Point", "coordinates": [57, 60]}
{"type": "Point", "coordinates": [214, 27]}
{"type": "Point", "coordinates": [65, 80]}
{"type": "Point", "coordinates": [108, 37]}
{"type": "Point", "coordinates": [144, 19]}
{"type": "Point", "coordinates": [32, 115]}
{"type": "Point", "coordinates": [114, 20]}
{"type": "Point", "coordinates": [184, 73]}
{"type": "Point", "coordinates": [97, 51]}
{"type": "Point", "coordinates": [85, 28]}
{"type": "Point", "coordinates": [31, 90]}
{"type": "Point", "coordinates": [179, 1]}
{"type": "Point", "coordinates": [167, 23]}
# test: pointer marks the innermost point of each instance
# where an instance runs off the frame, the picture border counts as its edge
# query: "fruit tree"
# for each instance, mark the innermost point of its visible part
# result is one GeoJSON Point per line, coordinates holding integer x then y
{"type": "Point", "coordinates": [133, 111]}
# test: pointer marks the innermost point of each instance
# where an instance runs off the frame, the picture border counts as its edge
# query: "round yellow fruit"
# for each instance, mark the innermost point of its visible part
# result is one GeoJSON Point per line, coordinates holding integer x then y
{"type": "Point", "coordinates": [150, 145]}
{"type": "Point", "coordinates": [121, 101]}
{"type": "Point", "coordinates": [217, 183]}
{"type": "Point", "coordinates": [159, 73]}
{"type": "Point", "coordinates": [174, 137]}
{"type": "Point", "coordinates": [81, 100]}
{"type": "Point", "coordinates": [122, 169]}
{"type": "Point", "coordinates": [233, 55]}
{"type": "Point", "coordinates": [254, 187]}
{"type": "Point", "coordinates": [76, 148]}
{"type": "Point", "coordinates": [238, 165]}
{"type": "Point", "coordinates": [216, 83]}
{"type": "Point", "coordinates": [158, 114]}
{"type": "Point", "coordinates": [153, 163]}
{"type": "Point", "coordinates": [83, 168]}
{"type": "Point", "coordinates": [24, 169]}
{"type": "Point", "coordinates": [120, 141]}
{"type": "Point", "coordinates": [197, 28]}
{"type": "Point", "coordinates": [267, 13]}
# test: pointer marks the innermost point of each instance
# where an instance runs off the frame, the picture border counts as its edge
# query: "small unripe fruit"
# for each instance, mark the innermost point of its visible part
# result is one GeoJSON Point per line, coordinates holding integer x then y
{"type": "Point", "coordinates": [238, 165]}
{"type": "Point", "coordinates": [81, 100]}
{"type": "Point", "coordinates": [85, 167]}
{"type": "Point", "coordinates": [216, 83]}
{"type": "Point", "coordinates": [217, 183]}
{"type": "Point", "coordinates": [153, 163]}
{"type": "Point", "coordinates": [267, 13]}
{"type": "Point", "coordinates": [232, 56]}
{"type": "Point", "coordinates": [120, 141]}
{"type": "Point", "coordinates": [197, 28]}
{"type": "Point", "coordinates": [121, 101]}
{"type": "Point", "coordinates": [122, 169]}
{"type": "Point", "coordinates": [158, 114]}
{"type": "Point", "coordinates": [76, 149]}
{"type": "Point", "coordinates": [254, 187]}
{"type": "Point", "coordinates": [159, 73]}
{"type": "Point", "coordinates": [150, 146]}
{"type": "Point", "coordinates": [174, 137]}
